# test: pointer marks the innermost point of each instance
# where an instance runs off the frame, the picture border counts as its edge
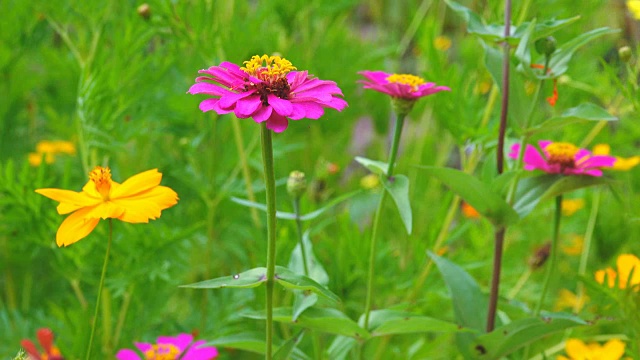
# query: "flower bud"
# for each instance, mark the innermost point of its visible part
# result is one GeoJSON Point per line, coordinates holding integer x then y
{"type": "Point", "coordinates": [296, 184]}
{"type": "Point", "coordinates": [546, 46]}
{"type": "Point", "coordinates": [144, 11]}
{"type": "Point", "coordinates": [625, 54]}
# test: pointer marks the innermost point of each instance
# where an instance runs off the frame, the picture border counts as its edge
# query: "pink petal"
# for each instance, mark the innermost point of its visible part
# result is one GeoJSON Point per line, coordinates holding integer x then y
{"type": "Point", "coordinates": [597, 161]}
{"type": "Point", "coordinates": [229, 101]}
{"type": "Point", "coordinates": [247, 106]}
{"type": "Point", "coordinates": [533, 159]}
{"type": "Point", "coordinates": [209, 104]}
{"type": "Point", "coordinates": [515, 150]}
{"type": "Point", "coordinates": [262, 114]}
{"type": "Point", "coordinates": [277, 123]}
{"type": "Point", "coordinates": [127, 354]}
{"type": "Point", "coordinates": [181, 341]}
{"type": "Point", "coordinates": [281, 106]}
{"type": "Point", "coordinates": [200, 352]}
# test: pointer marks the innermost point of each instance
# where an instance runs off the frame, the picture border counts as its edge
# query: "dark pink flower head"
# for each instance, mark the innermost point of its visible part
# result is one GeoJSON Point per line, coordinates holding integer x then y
{"type": "Point", "coordinates": [403, 86]}
{"type": "Point", "coordinates": [562, 158]}
{"type": "Point", "coordinates": [45, 338]}
{"type": "Point", "coordinates": [266, 89]}
{"type": "Point", "coordinates": [171, 348]}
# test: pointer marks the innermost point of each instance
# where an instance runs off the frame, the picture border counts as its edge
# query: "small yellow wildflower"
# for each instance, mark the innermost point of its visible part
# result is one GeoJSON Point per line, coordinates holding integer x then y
{"type": "Point", "coordinates": [50, 149]}
{"type": "Point", "coordinates": [571, 206]}
{"type": "Point", "coordinates": [442, 43]}
{"type": "Point", "coordinates": [575, 246]}
{"type": "Point", "coordinates": [621, 164]}
{"type": "Point", "coordinates": [634, 8]}
{"type": "Point", "coordinates": [568, 299]}
{"type": "Point", "coordinates": [628, 273]}
{"type": "Point", "coordinates": [578, 350]}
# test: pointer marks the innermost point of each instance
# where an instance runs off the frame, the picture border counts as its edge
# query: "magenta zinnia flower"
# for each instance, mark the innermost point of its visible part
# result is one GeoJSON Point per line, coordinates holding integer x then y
{"type": "Point", "coordinates": [403, 86]}
{"type": "Point", "coordinates": [266, 89]}
{"type": "Point", "coordinates": [562, 158]}
{"type": "Point", "coordinates": [171, 348]}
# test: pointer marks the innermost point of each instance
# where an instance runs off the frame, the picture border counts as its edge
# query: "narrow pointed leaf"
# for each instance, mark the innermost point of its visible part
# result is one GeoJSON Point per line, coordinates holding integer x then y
{"type": "Point", "coordinates": [302, 302]}
{"type": "Point", "coordinates": [581, 113]}
{"type": "Point", "coordinates": [376, 167]}
{"type": "Point", "coordinates": [389, 322]}
{"type": "Point", "coordinates": [248, 279]}
{"type": "Point", "coordinates": [532, 190]}
{"type": "Point", "coordinates": [560, 58]}
{"type": "Point", "coordinates": [475, 193]}
{"type": "Point", "coordinates": [398, 188]}
{"type": "Point", "coordinates": [291, 280]}
{"type": "Point", "coordinates": [509, 338]}
{"type": "Point", "coordinates": [325, 320]}
{"type": "Point", "coordinates": [248, 341]}
{"type": "Point", "coordinates": [340, 347]}
{"type": "Point", "coordinates": [296, 264]}
{"type": "Point", "coordinates": [285, 350]}
{"type": "Point", "coordinates": [263, 207]}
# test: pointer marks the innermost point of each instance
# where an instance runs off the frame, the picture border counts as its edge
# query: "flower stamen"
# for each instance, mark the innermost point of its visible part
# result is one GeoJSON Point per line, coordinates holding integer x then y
{"type": "Point", "coordinates": [562, 153]}
{"type": "Point", "coordinates": [162, 352]}
{"type": "Point", "coordinates": [268, 68]}
{"type": "Point", "coordinates": [406, 79]}
{"type": "Point", "coordinates": [101, 177]}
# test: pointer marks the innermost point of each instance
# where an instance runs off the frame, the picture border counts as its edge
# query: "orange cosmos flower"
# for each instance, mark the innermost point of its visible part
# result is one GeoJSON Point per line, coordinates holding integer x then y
{"type": "Point", "coordinates": [578, 350]}
{"type": "Point", "coordinates": [628, 274]}
{"type": "Point", "coordinates": [136, 200]}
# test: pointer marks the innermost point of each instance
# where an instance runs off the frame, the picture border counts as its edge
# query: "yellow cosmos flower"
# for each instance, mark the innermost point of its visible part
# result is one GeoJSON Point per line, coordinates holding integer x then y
{"type": "Point", "coordinates": [622, 164]}
{"type": "Point", "coordinates": [567, 299]}
{"type": "Point", "coordinates": [628, 273]}
{"type": "Point", "coordinates": [570, 206]}
{"type": "Point", "coordinates": [442, 43]}
{"type": "Point", "coordinates": [634, 8]}
{"type": "Point", "coordinates": [50, 149]}
{"type": "Point", "coordinates": [136, 200]}
{"type": "Point", "coordinates": [578, 350]}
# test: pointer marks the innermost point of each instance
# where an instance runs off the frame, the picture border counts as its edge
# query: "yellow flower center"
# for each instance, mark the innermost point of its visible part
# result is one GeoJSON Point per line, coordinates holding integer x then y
{"type": "Point", "coordinates": [101, 177]}
{"type": "Point", "coordinates": [562, 153]}
{"type": "Point", "coordinates": [406, 79]}
{"type": "Point", "coordinates": [162, 352]}
{"type": "Point", "coordinates": [268, 68]}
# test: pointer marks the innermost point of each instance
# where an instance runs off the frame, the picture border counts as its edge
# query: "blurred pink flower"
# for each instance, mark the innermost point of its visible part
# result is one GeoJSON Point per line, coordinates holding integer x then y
{"type": "Point", "coordinates": [266, 89]}
{"type": "Point", "coordinates": [171, 348]}
{"type": "Point", "coordinates": [404, 86]}
{"type": "Point", "coordinates": [562, 158]}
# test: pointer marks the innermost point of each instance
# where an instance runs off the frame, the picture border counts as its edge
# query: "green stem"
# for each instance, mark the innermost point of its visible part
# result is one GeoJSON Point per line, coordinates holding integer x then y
{"type": "Point", "coordinates": [270, 184]}
{"type": "Point", "coordinates": [104, 272]}
{"type": "Point", "coordinates": [397, 134]}
{"type": "Point", "coordinates": [554, 255]}
{"type": "Point", "coordinates": [296, 210]}
{"type": "Point", "coordinates": [586, 247]}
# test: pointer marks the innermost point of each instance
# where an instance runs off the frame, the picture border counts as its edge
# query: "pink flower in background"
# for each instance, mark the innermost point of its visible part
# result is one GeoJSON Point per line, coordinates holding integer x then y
{"type": "Point", "coordinates": [404, 86]}
{"type": "Point", "coordinates": [266, 89]}
{"type": "Point", "coordinates": [171, 348]}
{"type": "Point", "coordinates": [562, 158]}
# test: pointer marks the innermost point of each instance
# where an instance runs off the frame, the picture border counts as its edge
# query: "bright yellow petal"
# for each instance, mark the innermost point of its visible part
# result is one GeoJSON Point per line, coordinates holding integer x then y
{"type": "Point", "coordinates": [75, 227]}
{"type": "Point", "coordinates": [137, 184]}
{"type": "Point", "coordinates": [69, 200]}
{"type": "Point", "coordinates": [626, 264]}
{"type": "Point", "coordinates": [90, 189]}
{"type": "Point", "coordinates": [106, 210]}
{"type": "Point", "coordinates": [634, 8]}
{"type": "Point", "coordinates": [610, 275]}
{"type": "Point", "coordinates": [561, 357]}
{"type": "Point", "coordinates": [141, 207]}
{"type": "Point", "coordinates": [625, 164]}
{"type": "Point", "coordinates": [577, 350]}
{"type": "Point", "coordinates": [35, 159]}
{"type": "Point", "coordinates": [613, 350]}
{"type": "Point", "coordinates": [45, 146]}
{"type": "Point", "coordinates": [601, 149]}
{"type": "Point", "coordinates": [65, 147]}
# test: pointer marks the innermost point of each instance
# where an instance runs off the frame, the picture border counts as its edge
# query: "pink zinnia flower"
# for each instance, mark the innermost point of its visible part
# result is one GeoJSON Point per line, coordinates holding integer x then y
{"type": "Point", "coordinates": [403, 86]}
{"type": "Point", "coordinates": [171, 348]}
{"type": "Point", "coordinates": [266, 89]}
{"type": "Point", "coordinates": [562, 158]}
{"type": "Point", "coordinates": [45, 338]}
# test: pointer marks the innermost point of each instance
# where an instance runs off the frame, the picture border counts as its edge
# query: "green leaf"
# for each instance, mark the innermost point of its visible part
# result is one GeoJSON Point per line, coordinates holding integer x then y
{"type": "Point", "coordinates": [248, 279]}
{"type": "Point", "coordinates": [302, 302]}
{"type": "Point", "coordinates": [285, 350]}
{"type": "Point", "coordinates": [316, 270]}
{"type": "Point", "coordinates": [325, 320]}
{"type": "Point", "coordinates": [581, 113]}
{"type": "Point", "coordinates": [476, 194]}
{"type": "Point", "coordinates": [533, 190]}
{"type": "Point", "coordinates": [248, 341]}
{"type": "Point", "coordinates": [291, 280]}
{"type": "Point", "coordinates": [376, 167]}
{"type": "Point", "coordinates": [561, 57]}
{"type": "Point", "coordinates": [389, 322]}
{"type": "Point", "coordinates": [398, 188]}
{"type": "Point", "coordinates": [341, 347]}
{"type": "Point", "coordinates": [469, 303]}
{"type": "Point", "coordinates": [291, 216]}
{"type": "Point", "coordinates": [507, 339]}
